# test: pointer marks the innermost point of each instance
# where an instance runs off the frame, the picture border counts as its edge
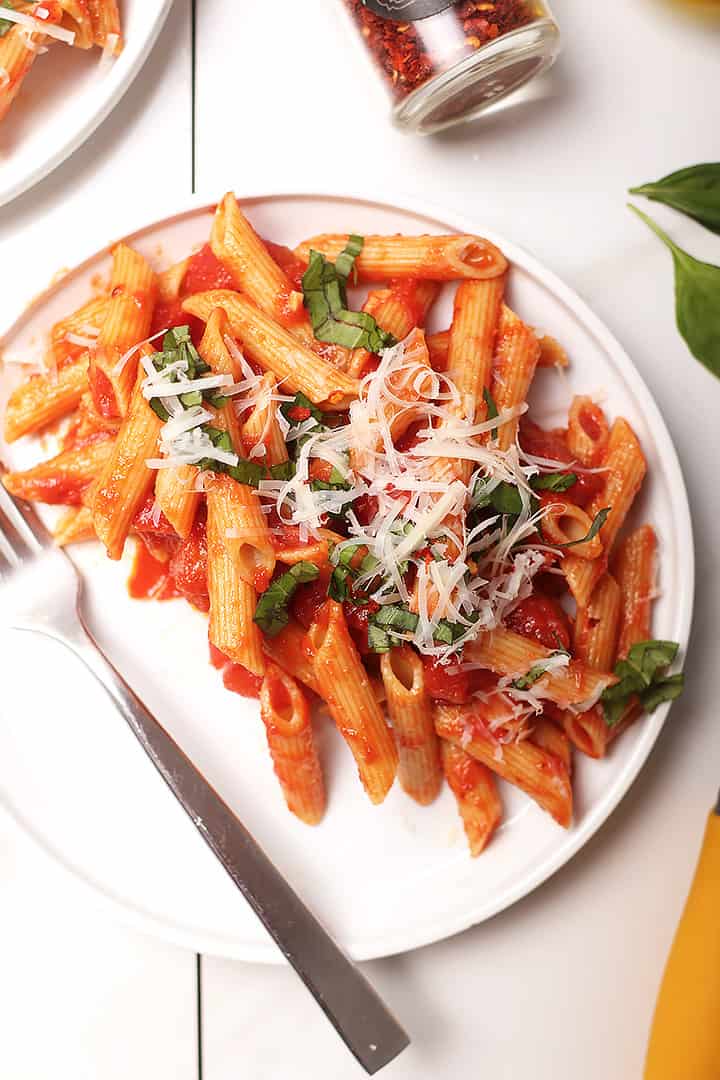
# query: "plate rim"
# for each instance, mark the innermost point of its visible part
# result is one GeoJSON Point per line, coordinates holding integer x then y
{"type": "Point", "coordinates": [115, 95]}
{"type": "Point", "coordinates": [422, 934]}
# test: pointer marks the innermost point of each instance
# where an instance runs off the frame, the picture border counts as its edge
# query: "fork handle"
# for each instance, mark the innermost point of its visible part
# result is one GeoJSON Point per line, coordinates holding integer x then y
{"type": "Point", "coordinates": [342, 991]}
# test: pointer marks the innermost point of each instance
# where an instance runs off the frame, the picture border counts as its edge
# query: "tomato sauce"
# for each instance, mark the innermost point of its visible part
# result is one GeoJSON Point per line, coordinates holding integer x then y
{"type": "Point", "coordinates": [553, 445]}
{"type": "Point", "coordinates": [288, 262]}
{"type": "Point", "coordinates": [309, 598]}
{"type": "Point", "coordinates": [447, 683]}
{"type": "Point", "coordinates": [102, 391]}
{"type": "Point", "coordinates": [542, 619]}
{"type": "Point", "coordinates": [241, 681]}
{"type": "Point", "coordinates": [204, 272]}
{"type": "Point", "coordinates": [146, 521]}
{"type": "Point", "coordinates": [188, 567]}
{"type": "Point", "coordinates": [149, 578]}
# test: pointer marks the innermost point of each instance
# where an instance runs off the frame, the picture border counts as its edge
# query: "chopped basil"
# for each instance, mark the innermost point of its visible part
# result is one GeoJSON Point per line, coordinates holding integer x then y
{"type": "Point", "coordinates": [448, 633]}
{"type": "Point", "coordinates": [159, 409]}
{"type": "Point", "coordinates": [245, 472]}
{"type": "Point", "coordinates": [5, 24]}
{"type": "Point", "coordinates": [378, 639]}
{"type": "Point", "coordinates": [641, 674]}
{"type": "Point", "coordinates": [325, 297]}
{"type": "Point", "coordinates": [697, 300]}
{"type": "Point", "coordinates": [271, 612]}
{"type": "Point", "coordinates": [531, 677]}
{"type": "Point", "coordinates": [284, 471]}
{"type": "Point", "coordinates": [600, 519]}
{"type": "Point", "coordinates": [396, 617]}
{"type": "Point", "coordinates": [694, 191]}
{"type": "Point", "coordinates": [559, 481]}
{"type": "Point", "coordinates": [492, 410]}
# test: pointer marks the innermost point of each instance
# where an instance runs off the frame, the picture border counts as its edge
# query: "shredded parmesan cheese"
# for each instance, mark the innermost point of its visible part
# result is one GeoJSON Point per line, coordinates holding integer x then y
{"type": "Point", "coordinates": [36, 25]}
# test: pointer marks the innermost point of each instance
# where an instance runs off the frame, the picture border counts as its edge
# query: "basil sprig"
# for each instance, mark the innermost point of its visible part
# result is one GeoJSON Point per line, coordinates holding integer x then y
{"type": "Point", "coordinates": [271, 612]}
{"type": "Point", "coordinates": [345, 572]}
{"type": "Point", "coordinates": [492, 410]}
{"type": "Point", "coordinates": [5, 24]}
{"type": "Point", "coordinates": [642, 674]}
{"type": "Point", "coordinates": [178, 346]}
{"type": "Point", "coordinates": [697, 300]}
{"type": "Point", "coordinates": [324, 287]}
{"type": "Point", "coordinates": [559, 481]}
{"type": "Point", "coordinates": [694, 191]}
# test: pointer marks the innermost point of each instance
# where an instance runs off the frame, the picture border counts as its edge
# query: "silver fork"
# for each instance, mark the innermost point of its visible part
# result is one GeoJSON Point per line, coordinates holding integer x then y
{"type": "Point", "coordinates": [42, 585]}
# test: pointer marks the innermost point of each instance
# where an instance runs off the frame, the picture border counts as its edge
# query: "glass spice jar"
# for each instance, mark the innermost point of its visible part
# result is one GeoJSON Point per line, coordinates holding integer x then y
{"type": "Point", "coordinates": [445, 61]}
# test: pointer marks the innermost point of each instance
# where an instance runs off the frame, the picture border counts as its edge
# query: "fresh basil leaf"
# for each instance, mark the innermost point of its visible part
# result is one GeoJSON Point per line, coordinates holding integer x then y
{"type": "Point", "coordinates": [378, 640]}
{"type": "Point", "coordinates": [447, 633]}
{"type": "Point", "coordinates": [245, 472]}
{"type": "Point", "coordinates": [216, 400]}
{"type": "Point", "coordinates": [345, 262]}
{"type": "Point", "coordinates": [219, 438]}
{"type": "Point", "coordinates": [506, 499]}
{"type": "Point", "coordinates": [271, 612]}
{"type": "Point", "coordinates": [396, 617]}
{"type": "Point", "coordinates": [559, 481]}
{"type": "Point", "coordinates": [325, 298]}
{"type": "Point", "coordinates": [641, 674]}
{"type": "Point", "coordinates": [339, 584]}
{"type": "Point", "coordinates": [284, 471]}
{"type": "Point", "coordinates": [159, 409]}
{"type": "Point", "coordinates": [492, 410]}
{"type": "Point", "coordinates": [668, 689]}
{"type": "Point", "coordinates": [191, 398]}
{"type": "Point", "coordinates": [598, 522]}
{"type": "Point", "coordinates": [5, 24]}
{"type": "Point", "coordinates": [697, 300]}
{"type": "Point", "coordinates": [694, 191]}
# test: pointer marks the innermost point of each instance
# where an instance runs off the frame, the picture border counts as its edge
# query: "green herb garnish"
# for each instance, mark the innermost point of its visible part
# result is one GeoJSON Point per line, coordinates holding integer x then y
{"type": "Point", "coordinates": [324, 287]}
{"type": "Point", "coordinates": [531, 677]}
{"type": "Point", "coordinates": [697, 300]}
{"type": "Point", "coordinates": [6, 24]}
{"type": "Point", "coordinates": [598, 522]}
{"type": "Point", "coordinates": [492, 410]}
{"type": "Point", "coordinates": [694, 191]}
{"type": "Point", "coordinates": [641, 674]}
{"type": "Point", "coordinates": [559, 481]}
{"type": "Point", "coordinates": [271, 612]}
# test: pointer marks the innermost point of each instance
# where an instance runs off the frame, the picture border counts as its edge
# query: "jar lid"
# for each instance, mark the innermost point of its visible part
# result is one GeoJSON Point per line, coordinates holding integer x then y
{"type": "Point", "coordinates": [480, 80]}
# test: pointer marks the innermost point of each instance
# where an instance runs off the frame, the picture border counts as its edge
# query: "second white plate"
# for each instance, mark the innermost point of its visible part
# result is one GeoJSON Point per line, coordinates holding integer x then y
{"type": "Point", "coordinates": [67, 94]}
{"type": "Point", "coordinates": [384, 879]}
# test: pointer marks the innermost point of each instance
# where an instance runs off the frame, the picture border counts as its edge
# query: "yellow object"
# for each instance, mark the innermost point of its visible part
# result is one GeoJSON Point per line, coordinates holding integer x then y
{"type": "Point", "coordinates": [685, 1036]}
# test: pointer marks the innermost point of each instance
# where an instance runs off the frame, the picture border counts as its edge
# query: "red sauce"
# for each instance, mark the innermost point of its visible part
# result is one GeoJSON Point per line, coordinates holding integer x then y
{"type": "Point", "coordinates": [309, 598]}
{"type": "Point", "coordinates": [447, 683]}
{"type": "Point", "coordinates": [288, 262]}
{"type": "Point", "coordinates": [144, 522]}
{"type": "Point", "coordinates": [169, 313]}
{"type": "Point", "coordinates": [188, 567]}
{"type": "Point", "coordinates": [149, 578]}
{"type": "Point", "coordinates": [405, 291]}
{"type": "Point", "coordinates": [102, 391]}
{"type": "Point", "coordinates": [409, 439]}
{"type": "Point", "coordinates": [365, 508]}
{"type": "Point", "coordinates": [542, 619]}
{"type": "Point", "coordinates": [241, 681]}
{"type": "Point", "coordinates": [553, 445]}
{"type": "Point", "coordinates": [357, 617]}
{"type": "Point", "coordinates": [205, 271]}
{"type": "Point", "coordinates": [235, 676]}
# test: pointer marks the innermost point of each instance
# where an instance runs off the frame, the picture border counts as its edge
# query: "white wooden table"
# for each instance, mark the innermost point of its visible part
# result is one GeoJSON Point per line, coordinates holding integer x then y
{"type": "Point", "coordinates": [562, 985]}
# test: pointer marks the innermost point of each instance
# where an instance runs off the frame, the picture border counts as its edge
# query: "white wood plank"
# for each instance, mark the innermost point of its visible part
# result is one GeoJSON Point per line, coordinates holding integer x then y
{"type": "Point", "coordinates": [81, 996]}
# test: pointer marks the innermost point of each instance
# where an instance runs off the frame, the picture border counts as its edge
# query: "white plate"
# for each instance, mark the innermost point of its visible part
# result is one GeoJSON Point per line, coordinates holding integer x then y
{"type": "Point", "coordinates": [67, 94]}
{"type": "Point", "coordinates": [384, 879]}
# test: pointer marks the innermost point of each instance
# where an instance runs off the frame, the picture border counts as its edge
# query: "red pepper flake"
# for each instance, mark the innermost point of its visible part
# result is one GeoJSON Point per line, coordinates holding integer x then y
{"type": "Point", "coordinates": [408, 61]}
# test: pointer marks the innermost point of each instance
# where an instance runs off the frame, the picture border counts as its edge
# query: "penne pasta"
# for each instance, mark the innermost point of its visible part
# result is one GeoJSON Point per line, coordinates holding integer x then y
{"type": "Point", "coordinates": [43, 399]}
{"type": "Point", "coordinates": [472, 339]}
{"type": "Point", "coordinates": [550, 737]}
{"type": "Point", "coordinates": [588, 432]}
{"type": "Point", "coordinates": [19, 49]}
{"type": "Point", "coordinates": [566, 523]}
{"type": "Point", "coordinates": [411, 713]}
{"type": "Point", "coordinates": [475, 790]}
{"type": "Point", "coordinates": [346, 688]}
{"type": "Point", "coordinates": [636, 567]}
{"type": "Point", "coordinates": [275, 349]}
{"type": "Point", "coordinates": [291, 650]}
{"type": "Point", "coordinates": [398, 310]}
{"type": "Point", "coordinates": [133, 291]}
{"type": "Point", "coordinates": [516, 358]}
{"type": "Point", "coordinates": [540, 774]}
{"type": "Point", "coordinates": [508, 653]}
{"type": "Point", "coordinates": [286, 716]}
{"type": "Point", "coordinates": [432, 258]}
{"type": "Point", "coordinates": [125, 482]}
{"type": "Point", "coordinates": [63, 478]}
